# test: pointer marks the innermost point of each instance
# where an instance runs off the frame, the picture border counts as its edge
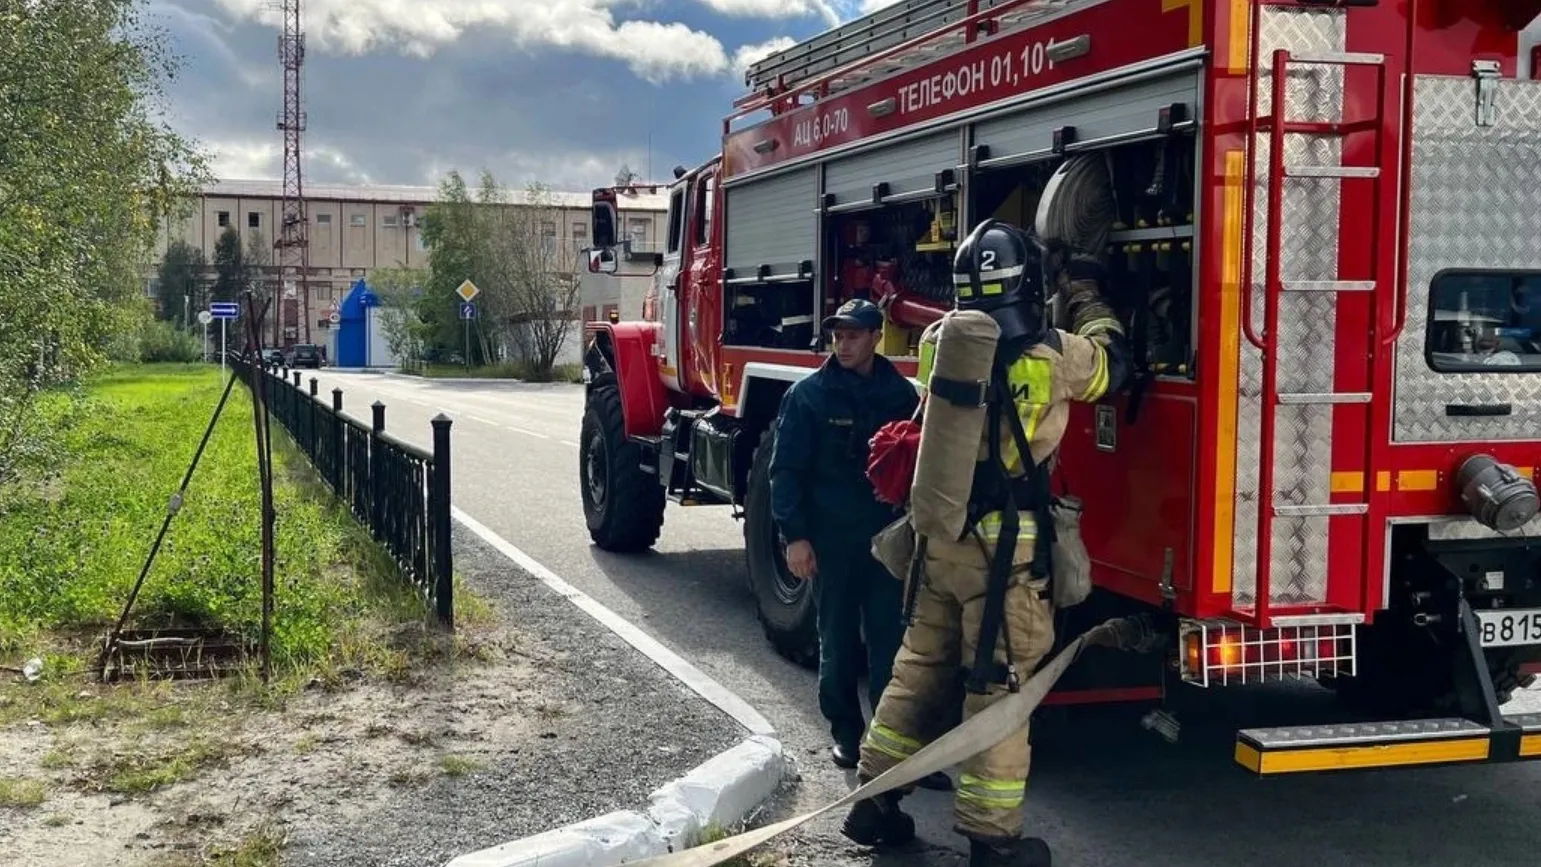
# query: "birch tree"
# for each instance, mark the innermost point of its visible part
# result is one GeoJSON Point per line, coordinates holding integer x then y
{"type": "Point", "coordinates": [87, 170]}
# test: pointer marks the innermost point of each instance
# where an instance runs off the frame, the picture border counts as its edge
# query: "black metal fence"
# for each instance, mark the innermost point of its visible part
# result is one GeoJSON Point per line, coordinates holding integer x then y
{"type": "Point", "coordinates": [396, 489]}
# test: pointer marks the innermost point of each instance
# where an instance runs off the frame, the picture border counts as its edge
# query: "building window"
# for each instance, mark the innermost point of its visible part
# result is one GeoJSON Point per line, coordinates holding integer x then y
{"type": "Point", "coordinates": [422, 243]}
{"type": "Point", "coordinates": [388, 221]}
{"type": "Point", "coordinates": [580, 231]}
{"type": "Point", "coordinates": [588, 313]}
{"type": "Point", "coordinates": [636, 229]}
{"type": "Point", "coordinates": [224, 219]}
{"type": "Point", "coordinates": [323, 219]}
{"type": "Point", "coordinates": [253, 220]}
{"type": "Point", "coordinates": [358, 221]}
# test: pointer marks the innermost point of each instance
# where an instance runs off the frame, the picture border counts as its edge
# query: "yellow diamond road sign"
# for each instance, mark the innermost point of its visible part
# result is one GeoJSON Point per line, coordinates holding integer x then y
{"type": "Point", "coordinates": [467, 290]}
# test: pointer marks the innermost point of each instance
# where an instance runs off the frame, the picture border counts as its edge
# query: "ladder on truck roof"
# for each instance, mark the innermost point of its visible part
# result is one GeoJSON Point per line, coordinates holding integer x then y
{"type": "Point", "coordinates": [896, 25]}
{"type": "Point", "coordinates": [1276, 123]}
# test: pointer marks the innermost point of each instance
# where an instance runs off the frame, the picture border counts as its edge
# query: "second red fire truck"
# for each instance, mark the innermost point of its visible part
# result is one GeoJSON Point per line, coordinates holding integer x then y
{"type": "Point", "coordinates": [1323, 221]}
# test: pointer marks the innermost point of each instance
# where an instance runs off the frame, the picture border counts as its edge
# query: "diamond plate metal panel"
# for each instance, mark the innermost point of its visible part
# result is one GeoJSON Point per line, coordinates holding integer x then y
{"type": "Point", "coordinates": [1308, 251]}
{"type": "Point", "coordinates": [1474, 206]}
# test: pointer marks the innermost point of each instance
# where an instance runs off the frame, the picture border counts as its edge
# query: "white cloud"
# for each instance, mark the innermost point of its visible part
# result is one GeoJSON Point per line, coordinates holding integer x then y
{"type": "Point", "coordinates": [245, 160]}
{"type": "Point", "coordinates": [870, 6]}
{"type": "Point", "coordinates": [750, 54]}
{"type": "Point", "coordinates": [656, 51]}
{"type": "Point", "coordinates": [775, 9]}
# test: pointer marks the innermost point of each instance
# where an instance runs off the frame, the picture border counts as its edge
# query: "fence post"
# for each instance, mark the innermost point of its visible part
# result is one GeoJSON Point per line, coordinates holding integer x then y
{"type": "Point", "coordinates": [376, 461]}
{"type": "Point", "coordinates": [310, 434]}
{"type": "Point", "coordinates": [339, 458]}
{"type": "Point", "coordinates": [439, 524]}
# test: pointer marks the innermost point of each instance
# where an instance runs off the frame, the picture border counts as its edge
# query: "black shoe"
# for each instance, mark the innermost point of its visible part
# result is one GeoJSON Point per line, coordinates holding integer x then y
{"type": "Point", "coordinates": [1022, 852]}
{"type": "Point", "coordinates": [878, 821]}
{"type": "Point", "coordinates": [937, 781]}
{"type": "Point", "coordinates": [844, 756]}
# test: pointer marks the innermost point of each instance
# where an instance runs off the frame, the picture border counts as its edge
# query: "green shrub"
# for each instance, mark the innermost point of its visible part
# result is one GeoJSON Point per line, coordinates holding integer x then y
{"type": "Point", "coordinates": [164, 342]}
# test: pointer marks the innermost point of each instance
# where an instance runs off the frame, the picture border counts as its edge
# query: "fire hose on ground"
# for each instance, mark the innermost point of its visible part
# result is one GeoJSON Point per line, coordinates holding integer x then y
{"type": "Point", "coordinates": [985, 729]}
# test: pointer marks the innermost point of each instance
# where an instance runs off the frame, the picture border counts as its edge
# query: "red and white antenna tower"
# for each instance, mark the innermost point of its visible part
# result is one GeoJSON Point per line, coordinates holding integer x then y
{"type": "Point", "coordinates": [293, 241]}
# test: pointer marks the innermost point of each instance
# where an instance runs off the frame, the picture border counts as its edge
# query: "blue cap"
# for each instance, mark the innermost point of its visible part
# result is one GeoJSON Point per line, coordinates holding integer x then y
{"type": "Point", "coordinates": [856, 313]}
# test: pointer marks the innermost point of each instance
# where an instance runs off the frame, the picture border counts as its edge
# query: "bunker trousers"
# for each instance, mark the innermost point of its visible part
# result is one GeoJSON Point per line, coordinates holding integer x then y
{"type": "Point", "coordinates": [927, 678]}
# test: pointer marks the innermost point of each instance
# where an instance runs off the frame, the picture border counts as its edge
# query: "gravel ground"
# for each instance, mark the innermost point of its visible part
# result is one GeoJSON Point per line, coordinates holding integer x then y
{"type": "Point", "coordinates": [589, 761]}
{"type": "Point", "coordinates": [553, 721]}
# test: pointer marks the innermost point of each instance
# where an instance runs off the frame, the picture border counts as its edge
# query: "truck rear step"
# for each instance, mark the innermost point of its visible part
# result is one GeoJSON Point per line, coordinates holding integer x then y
{"type": "Point", "coordinates": [1447, 741]}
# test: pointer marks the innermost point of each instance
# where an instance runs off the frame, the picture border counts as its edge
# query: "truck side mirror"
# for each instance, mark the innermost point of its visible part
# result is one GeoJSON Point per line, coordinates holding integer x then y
{"type": "Point", "coordinates": [604, 217]}
{"type": "Point", "coordinates": [602, 261]}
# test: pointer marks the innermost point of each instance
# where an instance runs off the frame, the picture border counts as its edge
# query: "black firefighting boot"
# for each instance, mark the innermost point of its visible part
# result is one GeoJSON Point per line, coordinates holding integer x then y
{"type": "Point", "coordinates": [879, 821]}
{"type": "Point", "coordinates": [1020, 852]}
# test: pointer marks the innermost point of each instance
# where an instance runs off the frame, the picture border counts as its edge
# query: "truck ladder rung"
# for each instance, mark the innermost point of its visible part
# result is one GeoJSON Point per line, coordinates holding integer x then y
{"type": "Point", "coordinates": [1328, 285]}
{"type": "Point", "coordinates": [1306, 398]}
{"type": "Point", "coordinates": [1317, 510]}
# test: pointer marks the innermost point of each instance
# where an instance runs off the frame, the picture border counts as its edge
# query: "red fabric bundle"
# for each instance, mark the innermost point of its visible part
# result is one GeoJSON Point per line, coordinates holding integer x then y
{"type": "Point", "coordinates": [891, 461]}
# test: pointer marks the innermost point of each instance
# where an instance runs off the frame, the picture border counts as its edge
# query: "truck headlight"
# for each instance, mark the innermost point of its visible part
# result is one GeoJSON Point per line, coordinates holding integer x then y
{"type": "Point", "coordinates": [1496, 494]}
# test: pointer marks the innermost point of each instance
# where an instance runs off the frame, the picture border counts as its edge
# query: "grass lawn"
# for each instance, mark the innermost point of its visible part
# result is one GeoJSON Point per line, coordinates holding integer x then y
{"type": "Point", "coordinates": [75, 533]}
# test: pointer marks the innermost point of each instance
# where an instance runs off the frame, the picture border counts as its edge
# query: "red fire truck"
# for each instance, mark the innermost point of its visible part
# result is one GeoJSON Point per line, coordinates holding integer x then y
{"type": "Point", "coordinates": [1326, 245]}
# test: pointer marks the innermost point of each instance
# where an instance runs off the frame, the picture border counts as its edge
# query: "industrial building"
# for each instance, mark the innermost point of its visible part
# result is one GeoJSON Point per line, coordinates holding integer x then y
{"type": "Point", "coordinates": [355, 230]}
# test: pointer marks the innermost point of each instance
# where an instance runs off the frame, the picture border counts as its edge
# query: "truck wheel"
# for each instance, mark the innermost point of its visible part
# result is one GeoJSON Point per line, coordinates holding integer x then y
{"type": "Point", "coordinates": [622, 504]}
{"type": "Point", "coordinates": [784, 603]}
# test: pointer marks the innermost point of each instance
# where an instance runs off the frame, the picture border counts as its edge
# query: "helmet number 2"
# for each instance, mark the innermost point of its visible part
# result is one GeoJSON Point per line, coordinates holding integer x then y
{"type": "Point", "coordinates": [986, 260]}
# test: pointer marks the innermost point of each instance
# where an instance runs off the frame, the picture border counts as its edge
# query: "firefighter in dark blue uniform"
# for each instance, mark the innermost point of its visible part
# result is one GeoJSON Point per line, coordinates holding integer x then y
{"type": "Point", "coordinates": [826, 510]}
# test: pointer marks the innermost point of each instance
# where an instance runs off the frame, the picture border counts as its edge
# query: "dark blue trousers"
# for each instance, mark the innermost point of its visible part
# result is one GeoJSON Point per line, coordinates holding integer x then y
{"type": "Point", "coordinates": [855, 596]}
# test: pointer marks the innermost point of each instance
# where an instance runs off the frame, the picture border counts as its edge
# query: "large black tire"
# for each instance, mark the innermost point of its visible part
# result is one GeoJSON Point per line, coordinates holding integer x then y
{"type": "Point", "coordinates": [622, 504]}
{"type": "Point", "coordinates": [784, 604]}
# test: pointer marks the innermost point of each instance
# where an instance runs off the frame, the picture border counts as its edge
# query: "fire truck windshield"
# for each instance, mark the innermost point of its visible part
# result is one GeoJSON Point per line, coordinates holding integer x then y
{"type": "Point", "coordinates": [1487, 321]}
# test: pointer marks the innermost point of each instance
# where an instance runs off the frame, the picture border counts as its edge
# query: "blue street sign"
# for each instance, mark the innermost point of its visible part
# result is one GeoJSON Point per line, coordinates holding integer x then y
{"type": "Point", "coordinates": [224, 310]}
{"type": "Point", "coordinates": [467, 310]}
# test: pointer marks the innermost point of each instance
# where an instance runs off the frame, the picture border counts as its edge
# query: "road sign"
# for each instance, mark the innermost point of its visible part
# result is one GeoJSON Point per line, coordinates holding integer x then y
{"type": "Point", "coordinates": [205, 317]}
{"type": "Point", "coordinates": [467, 310]}
{"type": "Point", "coordinates": [224, 310]}
{"type": "Point", "coordinates": [333, 317]}
{"type": "Point", "coordinates": [467, 291]}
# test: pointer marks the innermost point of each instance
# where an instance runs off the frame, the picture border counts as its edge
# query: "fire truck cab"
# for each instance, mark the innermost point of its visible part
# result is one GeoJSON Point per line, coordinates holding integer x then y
{"type": "Point", "coordinates": [1322, 469]}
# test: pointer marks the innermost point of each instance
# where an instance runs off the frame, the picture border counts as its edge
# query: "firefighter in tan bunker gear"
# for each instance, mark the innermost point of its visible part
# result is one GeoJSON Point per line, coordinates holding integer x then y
{"type": "Point", "coordinates": [1000, 270]}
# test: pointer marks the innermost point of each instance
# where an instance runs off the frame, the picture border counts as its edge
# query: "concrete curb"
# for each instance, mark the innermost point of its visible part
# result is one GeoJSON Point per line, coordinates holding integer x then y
{"type": "Point", "coordinates": [723, 791]}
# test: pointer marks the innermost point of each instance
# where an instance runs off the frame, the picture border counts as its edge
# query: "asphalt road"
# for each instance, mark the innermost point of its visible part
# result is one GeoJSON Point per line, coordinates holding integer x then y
{"type": "Point", "coordinates": [1103, 791]}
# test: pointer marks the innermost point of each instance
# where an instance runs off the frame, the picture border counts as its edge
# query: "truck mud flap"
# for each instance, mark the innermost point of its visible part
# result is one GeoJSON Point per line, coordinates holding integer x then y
{"type": "Point", "coordinates": [1449, 741]}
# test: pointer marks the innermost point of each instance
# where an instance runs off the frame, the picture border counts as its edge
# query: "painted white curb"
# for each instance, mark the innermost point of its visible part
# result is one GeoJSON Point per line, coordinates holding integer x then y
{"type": "Point", "coordinates": [723, 791]}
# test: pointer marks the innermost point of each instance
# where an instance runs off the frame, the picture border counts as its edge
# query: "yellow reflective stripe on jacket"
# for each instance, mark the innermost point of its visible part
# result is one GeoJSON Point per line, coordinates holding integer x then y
{"type": "Point", "coordinates": [927, 359]}
{"type": "Point", "coordinates": [994, 794]}
{"type": "Point", "coordinates": [990, 527]}
{"type": "Point", "coordinates": [1099, 381]}
{"type": "Point", "coordinates": [891, 743]}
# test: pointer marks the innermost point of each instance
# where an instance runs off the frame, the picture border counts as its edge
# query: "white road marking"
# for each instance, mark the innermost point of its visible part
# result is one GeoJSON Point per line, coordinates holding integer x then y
{"type": "Point", "coordinates": [677, 666]}
{"type": "Point", "coordinates": [528, 433]}
{"type": "Point", "coordinates": [478, 418]}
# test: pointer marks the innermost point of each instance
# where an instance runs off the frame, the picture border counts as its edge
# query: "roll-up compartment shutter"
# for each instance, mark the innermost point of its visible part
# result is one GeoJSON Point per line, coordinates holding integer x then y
{"type": "Point", "coordinates": [906, 168]}
{"type": "Point", "coordinates": [772, 225]}
{"type": "Point", "coordinates": [1124, 113]}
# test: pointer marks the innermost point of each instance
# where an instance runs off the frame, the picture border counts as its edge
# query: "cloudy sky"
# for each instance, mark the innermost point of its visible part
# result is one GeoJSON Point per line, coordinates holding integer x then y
{"type": "Point", "coordinates": [401, 91]}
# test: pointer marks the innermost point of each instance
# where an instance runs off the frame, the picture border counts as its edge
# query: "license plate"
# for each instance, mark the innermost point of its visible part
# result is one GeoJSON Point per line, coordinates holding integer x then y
{"type": "Point", "coordinates": [1508, 628]}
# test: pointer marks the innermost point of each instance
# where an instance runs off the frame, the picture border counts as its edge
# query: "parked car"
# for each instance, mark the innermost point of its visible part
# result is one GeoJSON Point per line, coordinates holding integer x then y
{"type": "Point", "coordinates": [274, 357]}
{"type": "Point", "coordinates": [306, 355]}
